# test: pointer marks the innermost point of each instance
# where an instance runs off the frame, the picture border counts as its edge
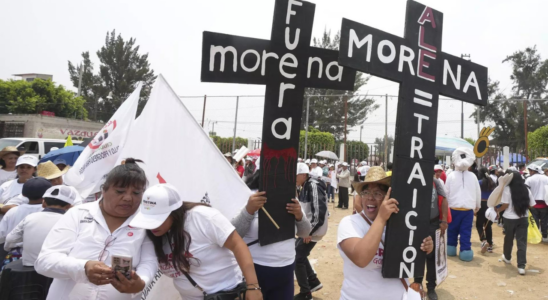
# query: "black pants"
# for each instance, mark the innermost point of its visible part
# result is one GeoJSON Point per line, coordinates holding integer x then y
{"type": "Point", "coordinates": [276, 283]}
{"type": "Point", "coordinates": [431, 258]}
{"type": "Point", "coordinates": [516, 228]}
{"type": "Point", "coordinates": [482, 221]}
{"type": "Point", "coordinates": [541, 218]}
{"type": "Point", "coordinates": [303, 269]}
{"type": "Point", "coordinates": [343, 197]}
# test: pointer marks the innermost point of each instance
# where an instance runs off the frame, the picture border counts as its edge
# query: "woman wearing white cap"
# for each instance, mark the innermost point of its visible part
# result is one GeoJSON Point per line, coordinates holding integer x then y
{"type": "Point", "coordinates": [196, 246]}
{"type": "Point", "coordinates": [10, 191]}
{"type": "Point", "coordinates": [79, 249]}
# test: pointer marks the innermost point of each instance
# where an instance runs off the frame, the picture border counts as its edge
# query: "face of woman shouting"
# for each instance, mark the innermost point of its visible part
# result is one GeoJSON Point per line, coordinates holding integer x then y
{"type": "Point", "coordinates": [372, 196]}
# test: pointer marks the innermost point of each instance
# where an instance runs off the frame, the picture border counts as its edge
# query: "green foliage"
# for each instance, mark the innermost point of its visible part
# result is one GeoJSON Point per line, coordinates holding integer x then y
{"type": "Point", "coordinates": [121, 68]}
{"type": "Point", "coordinates": [470, 140]}
{"type": "Point", "coordinates": [225, 144]}
{"type": "Point", "coordinates": [379, 144]}
{"type": "Point", "coordinates": [317, 141]}
{"type": "Point", "coordinates": [357, 149]}
{"type": "Point", "coordinates": [22, 97]}
{"type": "Point", "coordinates": [327, 111]}
{"type": "Point", "coordinates": [538, 140]}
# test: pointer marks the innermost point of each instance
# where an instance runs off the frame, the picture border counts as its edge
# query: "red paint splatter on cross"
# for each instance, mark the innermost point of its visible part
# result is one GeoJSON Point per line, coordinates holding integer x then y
{"type": "Point", "coordinates": [289, 156]}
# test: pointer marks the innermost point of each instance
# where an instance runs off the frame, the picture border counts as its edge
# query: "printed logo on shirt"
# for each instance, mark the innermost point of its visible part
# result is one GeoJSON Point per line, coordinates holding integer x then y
{"type": "Point", "coordinates": [378, 257]}
{"type": "Point", "coordinates": [148, 205]}
{"type": "Point", "coordinates": [130, 234]}
{"type": "Point", "coordinates": [87, 220]}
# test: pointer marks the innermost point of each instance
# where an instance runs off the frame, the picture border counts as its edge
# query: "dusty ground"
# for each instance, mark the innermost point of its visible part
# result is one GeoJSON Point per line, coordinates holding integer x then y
{"type": "Point", "coordinates": [483, 278]}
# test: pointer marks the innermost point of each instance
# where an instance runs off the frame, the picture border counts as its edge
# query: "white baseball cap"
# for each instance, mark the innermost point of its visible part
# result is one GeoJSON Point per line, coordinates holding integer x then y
{"type": "Point", "coordinates": [314, 161]}
{"type": "Point", "coordinates": [307, 161]}
{"type": "Point", "coordinates": [64, 193]}
{"type": "Point", "coordinates": [158, 202]}
{"type": "Point", "coordinates": [299, 159]}
{"type": "Point", "coordinates": [344, 164]}
{"type": "Point", "coordinates": [535, 168]}
{"type": "Point", "coordinates": [437, 167]}
{"type": "Point", "coordinates": [302, 169]}
{"type": "Point", "coordinates": [27, 160]}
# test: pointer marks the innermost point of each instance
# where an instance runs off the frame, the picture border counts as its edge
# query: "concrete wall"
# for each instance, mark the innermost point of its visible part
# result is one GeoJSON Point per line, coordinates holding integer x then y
{"type": "Point", "coordinates": [40, 126]}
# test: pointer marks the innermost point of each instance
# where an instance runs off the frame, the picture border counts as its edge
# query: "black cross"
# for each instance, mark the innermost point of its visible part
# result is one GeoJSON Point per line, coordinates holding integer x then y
{"type": "Point", "coordinates": [286, 65]}
{"type": "Point", "coordinates": [424, 72]}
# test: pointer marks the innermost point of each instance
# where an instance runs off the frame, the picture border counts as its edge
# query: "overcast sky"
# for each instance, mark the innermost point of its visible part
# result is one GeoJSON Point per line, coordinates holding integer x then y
{"type": "Point", "coordinates": [42, 36]}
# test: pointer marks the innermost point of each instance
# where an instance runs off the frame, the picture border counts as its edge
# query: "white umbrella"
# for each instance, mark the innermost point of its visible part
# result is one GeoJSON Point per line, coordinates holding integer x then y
{"type": "Point", "coordinates": [327, 154]}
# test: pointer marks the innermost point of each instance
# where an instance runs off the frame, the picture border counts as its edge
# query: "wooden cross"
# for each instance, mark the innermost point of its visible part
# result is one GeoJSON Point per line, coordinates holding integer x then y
{"type": "Point", "coordinates": [286, 65]}
{"type": "Point", "coordinates": [424, 72]}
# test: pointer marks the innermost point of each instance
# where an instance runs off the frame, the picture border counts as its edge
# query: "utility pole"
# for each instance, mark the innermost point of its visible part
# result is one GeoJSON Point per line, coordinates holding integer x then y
{"type": "Point", "coordinates": [203, 113]}
{"type": "Point", "coordinates": [525, 129]}
{"type": "Point", "coordinates": [235, 124]}
{"type": "Point", "coordinates": [385, 131]}
{"type": "Point", "coordinates": [345, 123]}
{"type": "Point", "coordinates": [463, 56]}
{"type": "Point", "coordinates": [306, 128]}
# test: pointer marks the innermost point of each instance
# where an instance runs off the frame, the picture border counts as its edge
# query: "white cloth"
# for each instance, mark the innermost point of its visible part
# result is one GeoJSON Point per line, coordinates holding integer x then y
{"type": "Point", "coordinates": [537, 185]}
{"type": "Point", "coordinates": [509, 213]}
{"type": "Point", "coordinates": [18, 200]}
{"type": "Point", "coordinates": [31, 233]}
{"type": "Point", "coordinates": [442, 184]}
{"type": "Point", "coordinates": [213, 267]}
{"type": "Point", "coordinates": [7, 175]}
{"type": "Point", "coordinates": [14, 216]}
{"type": "Point", "coordinates": [364, 170]}
{"type": "Point", "coordinates": [463, 190]}
{"type": "Point", "coordinates": [9, 190]}
{"type": "Point", "coordinates": [365, 283]}
{"type": "Point", "coordinates": [80, 236]}
{"type": "Point", "coordinates": [495, 178]}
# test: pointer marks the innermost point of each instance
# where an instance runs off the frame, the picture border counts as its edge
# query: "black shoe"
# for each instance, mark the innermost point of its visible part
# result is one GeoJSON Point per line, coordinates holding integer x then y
{"type": "Point", "coordinates": [315, 285]}
{"type": "Point", "coordinates": [432, 295]}
{"type": "Point", "coordinates": [304, 296]}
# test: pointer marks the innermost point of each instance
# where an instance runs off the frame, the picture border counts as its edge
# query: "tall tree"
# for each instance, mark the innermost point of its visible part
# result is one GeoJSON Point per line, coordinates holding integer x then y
{"type": "Point", "coordinates": [530, 80]}
{"type": "Point", "coordinates": [327, 106]}
{"type": "Point", "coordinates": [22, 97]}
{"type": "Point", "coordinates": [379, 144]}
{"type": "Point", "coordinates": [121, 68]}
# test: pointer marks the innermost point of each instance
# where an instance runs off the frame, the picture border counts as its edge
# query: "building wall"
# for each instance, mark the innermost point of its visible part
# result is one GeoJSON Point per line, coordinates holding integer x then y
{"type": "Point", "coordinates": [40, 126]}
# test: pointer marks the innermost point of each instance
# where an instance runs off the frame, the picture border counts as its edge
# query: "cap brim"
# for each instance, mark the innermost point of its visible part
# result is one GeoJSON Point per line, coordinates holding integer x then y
{"type": "Point", "coordinates": [149, 222]}
{"type": "Point", "coordinates": [358, 185]}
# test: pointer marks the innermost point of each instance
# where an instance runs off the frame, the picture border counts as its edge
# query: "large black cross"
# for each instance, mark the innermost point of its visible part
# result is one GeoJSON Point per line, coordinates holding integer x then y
{"type": "Point", "coordinates": [424, 72]}
{"type": "Point", "coordinates": [286, 65]}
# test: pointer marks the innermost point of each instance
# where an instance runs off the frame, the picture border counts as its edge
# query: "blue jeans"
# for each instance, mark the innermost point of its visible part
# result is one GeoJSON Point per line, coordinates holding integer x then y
{"type": "Point", "coordinates": [331, 191]}
{"type": "Point", "coordinates": [276, 283]}
{"type": "Point", "coordinates": [461, 225]}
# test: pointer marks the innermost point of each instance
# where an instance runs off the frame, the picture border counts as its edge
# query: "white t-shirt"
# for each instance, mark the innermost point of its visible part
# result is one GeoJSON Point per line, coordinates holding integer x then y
{"type": "Point", "coordinates": [217, 269]}
{"type": "Point", "coordinates": [7, 175]}
{"type": "Point", "coordinates": [509, 213]}
{"type": "Point", "coordinates": [365, 283]}
{"type": "Point", "coordinates": [537, 185]}
{"type": "Point", "coordinates": [14, 216]}
{"type": "Point", "coordinates": [364, 170]}
{"type": "Point", "coordinates": [31, 233]}
{"type": "Point", "coordinates": [9, 190]}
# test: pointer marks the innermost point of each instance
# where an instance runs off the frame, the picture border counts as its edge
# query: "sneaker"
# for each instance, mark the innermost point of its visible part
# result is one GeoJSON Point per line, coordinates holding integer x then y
{"type": "Point", "coordinates": [499, 225]}
{"type": "Point", "coordinates": [545, 240]}
{"type": "Point", "coordinates": [484, 246]}
{"type": "Point", "coordinates": [521, 271]}
{"type": "Point", "coordinates": [303, 296]}
{"type": "Point", "coordinates": [505, 260]}
{"type": "Point", "coordinates": [315, 285]}
{"type": "Point", "coordinates": [490, 249]}
{"type": "Point", "coordinates": [432, 295]}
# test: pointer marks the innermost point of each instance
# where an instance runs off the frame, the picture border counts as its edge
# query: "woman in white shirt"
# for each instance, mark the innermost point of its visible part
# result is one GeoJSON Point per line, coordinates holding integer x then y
{"type": "Point", "coordinates": [516, 200]}
{"type": "Point", "coordinates": [361, 242]}
{"type": "Point", "coordinates": [10, 191]}
{"type": "Point", "coordinates": [196, 245]}
{"type": "Point", "coordinates": [8, 159]}
{"type": "Point", "coordinates": [79, 249]}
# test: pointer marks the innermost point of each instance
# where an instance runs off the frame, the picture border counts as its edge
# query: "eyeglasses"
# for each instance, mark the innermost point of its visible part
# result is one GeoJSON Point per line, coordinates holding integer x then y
{"type": "Point", "coordinates": [374, 195]}
{"type": "Point", "coordinates": [104, 253]}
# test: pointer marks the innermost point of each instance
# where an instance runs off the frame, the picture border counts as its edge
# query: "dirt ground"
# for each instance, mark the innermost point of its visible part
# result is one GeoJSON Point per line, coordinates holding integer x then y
{"type": "Point", "coordinates": [483, 278]}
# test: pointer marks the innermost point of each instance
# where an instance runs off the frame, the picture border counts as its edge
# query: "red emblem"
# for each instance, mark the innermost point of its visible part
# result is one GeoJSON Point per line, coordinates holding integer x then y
{"type": "Point", "coordinates": [130, 233]}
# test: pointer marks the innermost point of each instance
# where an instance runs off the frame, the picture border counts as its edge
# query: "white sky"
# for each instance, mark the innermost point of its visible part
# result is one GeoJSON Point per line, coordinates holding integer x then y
{"type": "Point", "coordinates": [41, 36]}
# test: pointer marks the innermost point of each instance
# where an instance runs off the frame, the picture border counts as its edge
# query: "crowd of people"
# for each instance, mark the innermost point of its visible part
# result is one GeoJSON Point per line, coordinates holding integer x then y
{"type": "Point", "coordinates": [73, 243]}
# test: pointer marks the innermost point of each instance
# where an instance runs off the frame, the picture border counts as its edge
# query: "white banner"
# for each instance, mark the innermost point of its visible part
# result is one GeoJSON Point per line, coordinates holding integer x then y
{"type": "Point", "coordinates": [441, 257]}
{"type": "Point", "coordinates": [176, 149]}
{"type": "Point", "coordinates": [101, 154]}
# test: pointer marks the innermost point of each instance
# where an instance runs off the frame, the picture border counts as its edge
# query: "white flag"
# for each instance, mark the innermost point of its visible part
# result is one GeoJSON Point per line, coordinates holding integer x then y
{"type": "Point", "coordinates": [176, 149]}
{"type": "Point", "coordinates": [101, 154]}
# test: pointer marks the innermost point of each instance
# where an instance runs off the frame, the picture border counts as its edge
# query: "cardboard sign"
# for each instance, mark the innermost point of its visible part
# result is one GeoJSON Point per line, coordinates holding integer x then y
{"type": "Point", "coordinates": [482, 144]}
{"type": "Point", "coordinates": [441, 257]}
{"type": "Point", "coordinates": [424, 72]}
{"type": "Point", "coordinates": [286, 65]}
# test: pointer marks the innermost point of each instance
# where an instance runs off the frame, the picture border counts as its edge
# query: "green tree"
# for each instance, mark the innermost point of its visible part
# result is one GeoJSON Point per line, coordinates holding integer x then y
{"type": "Point", "coordinates": [471, 141]}
{"type": "Point", "coordinates": [538, 142]}
{"type": "Point", "coordinates": [225, 144]}
{"type": "Point", "coordinates": [317, 141]}
{"type": "Point", "coordinates": [530, 78]}
{"type": "Point", "coordinates": [121, 68]}
{"type": "Point", "coordinates": [379, 144]}
{"type": "Point", "coordinates": [327, 106]}
{"type": "Point", "coordinates": [22, 97]}
{"type": "Point", "coordinates": [357, 150]}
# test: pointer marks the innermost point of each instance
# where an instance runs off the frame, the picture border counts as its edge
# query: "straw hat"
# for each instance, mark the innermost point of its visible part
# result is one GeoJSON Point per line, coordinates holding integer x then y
{"type": "Point", "coordinates": [374, 175]}
{"type": "Point", "coordinates": [10, 149]}
{"type": "Point", "coordinates": [50, 171]}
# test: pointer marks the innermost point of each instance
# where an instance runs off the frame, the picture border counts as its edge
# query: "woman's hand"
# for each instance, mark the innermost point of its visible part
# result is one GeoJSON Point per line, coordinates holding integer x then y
{"type": "Point", "coordinates": [388, 207]}
{"type": "Point", "coordinates": [295, 209]}
{"type": "Point", "coordinates": [98, 273]}
{"type": "Point", "coordinates": [128, 286]}
{"type": "Point", "coordinates": [255, 202]}
{"type": "Point", "coordinates": [253, 295]}
{"type": "Point", "coordinates": [427, 245]}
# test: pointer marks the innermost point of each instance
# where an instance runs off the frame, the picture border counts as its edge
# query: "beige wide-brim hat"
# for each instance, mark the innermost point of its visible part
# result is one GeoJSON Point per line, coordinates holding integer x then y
{"type": "Point", "coordinates": [50, 171]}
{"type": "Point", "coordinates": [11, 149]}
{"type": "Point", "coordinates": [374, 175]}
{"type": "Point", "coordinates": [496, 195]}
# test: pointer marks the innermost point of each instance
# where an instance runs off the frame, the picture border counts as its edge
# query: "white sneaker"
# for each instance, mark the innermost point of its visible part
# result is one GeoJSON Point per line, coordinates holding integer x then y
{"type": "Point", "coordinates": [545, 240]}
{"type": "Point", "coordinates": [521, 271]}
{"type": "Point", "coordinates": [505, 260]}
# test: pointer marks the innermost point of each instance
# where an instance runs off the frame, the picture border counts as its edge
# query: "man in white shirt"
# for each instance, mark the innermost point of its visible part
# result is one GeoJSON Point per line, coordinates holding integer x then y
{"type": "Point", "coordinates": [363, 170]}
{"type": "Point", "coordinates": [537, 183]}
{"type": "Point", "coordinates": [31, 232]}
{"type": "Point", "coordinates": [34, 190]}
